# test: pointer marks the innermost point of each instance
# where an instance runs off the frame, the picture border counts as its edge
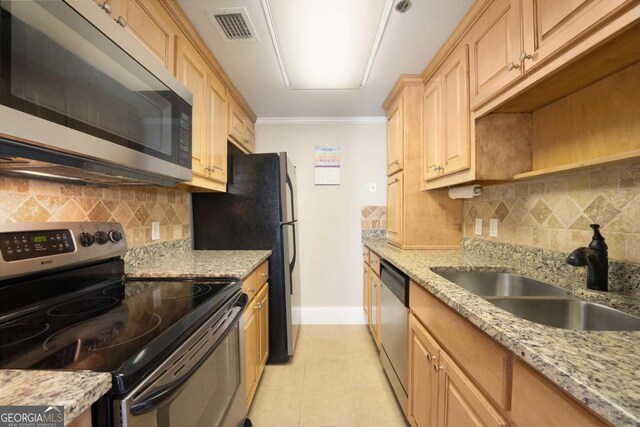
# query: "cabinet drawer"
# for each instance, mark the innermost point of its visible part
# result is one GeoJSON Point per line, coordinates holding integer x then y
{"type": "Point", "coordinates": [537, 402]}
{"type": "Point", "coordinates": [374, 262]}
{"type": "Point", "coordinates": [484, 360]}
{"type": "Point", "coordinates": [262, 274]}
{"type": "Point", "coordinates": [250, 284]}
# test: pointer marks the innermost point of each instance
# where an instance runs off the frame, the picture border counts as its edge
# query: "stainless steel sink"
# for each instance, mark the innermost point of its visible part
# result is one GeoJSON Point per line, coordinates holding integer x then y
{"type": "Point", "coordinates": [490, 284]}
{"type": "Point", "coordinates": [569, 314]}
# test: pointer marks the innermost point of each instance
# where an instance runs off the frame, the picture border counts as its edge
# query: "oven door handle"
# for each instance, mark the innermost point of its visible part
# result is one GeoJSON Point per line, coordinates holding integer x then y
{"type": "Point", "coordinates": [147, 402]}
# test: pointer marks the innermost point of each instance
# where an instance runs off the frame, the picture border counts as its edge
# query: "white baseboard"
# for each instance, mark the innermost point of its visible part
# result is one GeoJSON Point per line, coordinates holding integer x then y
{"type": "Point", "coordinates": [336, 315]}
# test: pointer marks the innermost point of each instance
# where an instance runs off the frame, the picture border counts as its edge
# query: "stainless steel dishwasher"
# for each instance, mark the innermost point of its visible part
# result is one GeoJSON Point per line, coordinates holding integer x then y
{"type": "Point", "coordinates": [394, 319]}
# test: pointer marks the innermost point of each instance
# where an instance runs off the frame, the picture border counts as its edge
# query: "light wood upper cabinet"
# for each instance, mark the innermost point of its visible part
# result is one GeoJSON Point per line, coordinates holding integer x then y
{"type": "Point", "coordinates": [433, 141]}
{"type": "Point", "coordinates": [395, 208]}
{"type": "Point", "coordinates": [153, 27]}
{"type": "Point", "coordinates": [241, 128]}
{"type": "Point", "coordinates": [494, 49]}
{"type": "Point", "coordinates": [550, 25]}
{"type": "Point", "coordinates": [455, 99]}
{"type": "Point", "coordinates": [446, 139]}
{"type": "Point", "coordinates": [395, 138]}
{"type": "Point", "coordinates": [192, 70]}
{"type": "Point", "coordinates": [216, 129]}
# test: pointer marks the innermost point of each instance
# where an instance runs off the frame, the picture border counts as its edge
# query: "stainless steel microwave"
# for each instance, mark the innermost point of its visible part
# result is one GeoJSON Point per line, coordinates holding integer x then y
{"type": "Point", "coordinates": [82, 99]}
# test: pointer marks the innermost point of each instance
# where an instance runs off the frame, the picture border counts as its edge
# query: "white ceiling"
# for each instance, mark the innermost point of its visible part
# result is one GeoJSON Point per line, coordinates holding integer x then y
{"type": "Point", "coordinates": [409, 42]}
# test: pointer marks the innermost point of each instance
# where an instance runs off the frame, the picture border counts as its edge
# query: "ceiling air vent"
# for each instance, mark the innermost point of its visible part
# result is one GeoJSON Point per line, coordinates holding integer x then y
{"type": "Point", "coordinates": [233, 24]}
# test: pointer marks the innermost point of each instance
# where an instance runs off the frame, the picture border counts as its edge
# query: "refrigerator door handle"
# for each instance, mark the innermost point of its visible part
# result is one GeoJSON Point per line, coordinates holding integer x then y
{"type": "Point", "coordinates": [293, 206]}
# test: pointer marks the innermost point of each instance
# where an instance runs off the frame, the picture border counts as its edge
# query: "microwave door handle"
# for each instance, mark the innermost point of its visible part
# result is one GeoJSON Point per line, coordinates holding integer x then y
{"type": "Point", "coordinates": [148, 402]}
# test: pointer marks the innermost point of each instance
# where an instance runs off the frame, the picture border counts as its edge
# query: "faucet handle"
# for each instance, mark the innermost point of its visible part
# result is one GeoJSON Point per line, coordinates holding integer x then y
{"type": "Point", "coordinates": [597, 241]}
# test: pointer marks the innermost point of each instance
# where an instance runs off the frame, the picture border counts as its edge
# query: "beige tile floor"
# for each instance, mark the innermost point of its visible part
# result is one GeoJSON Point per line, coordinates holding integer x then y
{"type": "Point", "coordinates": [334, 379]}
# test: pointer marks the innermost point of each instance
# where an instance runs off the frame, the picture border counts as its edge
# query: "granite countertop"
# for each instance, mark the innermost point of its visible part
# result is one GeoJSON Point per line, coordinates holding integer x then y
{"type": "Point", "coordinates": [600, 369]}
{"type": "Point", "coordinates": [76, 390]}
{"type": "Point", "coordinates": [197, 263]}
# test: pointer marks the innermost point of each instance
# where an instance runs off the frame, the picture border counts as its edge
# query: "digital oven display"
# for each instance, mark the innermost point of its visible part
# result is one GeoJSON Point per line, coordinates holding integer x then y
{"type": "Point", "coordinates": [26, 245]}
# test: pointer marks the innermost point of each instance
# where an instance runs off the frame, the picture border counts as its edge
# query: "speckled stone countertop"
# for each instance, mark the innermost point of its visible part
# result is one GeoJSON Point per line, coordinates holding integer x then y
{"type": "Point", "coordinates": [194, 263]}
{"type": "Point", "coordinates": [600, 369]}
{"type": "Point", "coordinates": [76, 391]}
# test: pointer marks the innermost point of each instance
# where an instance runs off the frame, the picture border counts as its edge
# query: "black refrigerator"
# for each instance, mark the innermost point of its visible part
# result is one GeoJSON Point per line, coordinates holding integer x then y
{"type": "Point", "coordinates": [258, 211]}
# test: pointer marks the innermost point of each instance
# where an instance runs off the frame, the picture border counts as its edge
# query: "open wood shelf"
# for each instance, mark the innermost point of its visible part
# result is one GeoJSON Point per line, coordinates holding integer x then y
{"type": "Point", "coordinates": [627, 157]}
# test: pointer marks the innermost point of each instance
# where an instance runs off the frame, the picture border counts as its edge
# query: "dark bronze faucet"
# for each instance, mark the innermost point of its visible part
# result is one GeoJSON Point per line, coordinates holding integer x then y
{"type": "Point", "coordinates": [596, 259]}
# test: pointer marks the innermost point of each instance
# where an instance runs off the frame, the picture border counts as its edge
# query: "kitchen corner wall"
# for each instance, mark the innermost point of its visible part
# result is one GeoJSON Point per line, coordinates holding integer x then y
{"type": "Point", "coordinates": [25, 200]}
{"type": "Point", "coordinates": [330, 216]}
{"type": "Point", "coordinates": [555, 212]}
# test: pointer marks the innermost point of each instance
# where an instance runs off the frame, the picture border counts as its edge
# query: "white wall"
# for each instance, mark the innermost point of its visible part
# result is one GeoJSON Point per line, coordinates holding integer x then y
{"type": "Point", "coordinates": [330, 230]}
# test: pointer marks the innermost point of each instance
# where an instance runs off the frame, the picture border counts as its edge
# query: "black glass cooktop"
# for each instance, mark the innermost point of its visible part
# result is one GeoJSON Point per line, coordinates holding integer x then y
{"type": "Point", "coordinates": [123, 328]}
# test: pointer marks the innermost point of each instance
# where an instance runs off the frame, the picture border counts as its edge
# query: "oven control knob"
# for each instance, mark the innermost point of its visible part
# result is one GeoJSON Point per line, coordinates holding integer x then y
{"type": "Point", "coordinates": [102, 237]}
{"type": "Point", "coordinates": [115, 236]}
{"type": "Point", "coordinates": [86, 239]}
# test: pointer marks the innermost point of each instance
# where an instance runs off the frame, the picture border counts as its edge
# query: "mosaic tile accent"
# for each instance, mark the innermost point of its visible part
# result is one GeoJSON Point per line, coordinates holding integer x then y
{"type": "Point", "coordinates": [555, 212]}
{"type": "Point", "coordinates": [24, 200]}
{"type": "Point", "coordinates": [373, 217]}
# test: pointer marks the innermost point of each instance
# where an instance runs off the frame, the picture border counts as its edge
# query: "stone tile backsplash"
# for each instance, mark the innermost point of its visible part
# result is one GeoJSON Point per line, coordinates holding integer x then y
{"type": "Point", "coordinates": [373, 217]}
{"type": "Point", "coordinates": [24, 200]}
{"type": "Point", "coordinates": [555, 212]}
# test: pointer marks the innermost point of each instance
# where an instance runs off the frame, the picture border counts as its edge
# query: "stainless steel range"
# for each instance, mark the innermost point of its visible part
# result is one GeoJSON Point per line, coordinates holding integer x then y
{"type": "Point", "coordinates": [173, 347]}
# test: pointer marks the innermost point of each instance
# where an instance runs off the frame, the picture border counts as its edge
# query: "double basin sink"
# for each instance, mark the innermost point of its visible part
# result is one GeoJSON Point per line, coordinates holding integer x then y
{"type": "Point", "coordinates": [541, 302]}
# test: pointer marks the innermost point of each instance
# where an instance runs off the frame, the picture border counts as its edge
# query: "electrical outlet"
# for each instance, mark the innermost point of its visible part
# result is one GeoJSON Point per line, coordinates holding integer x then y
{"type": "Point", "coordinates": [493, 227]}
{"type": "Point", "coordinates": [372, 187]}
{"type": "Point", "coordinates": [479, 226]}
{"type": "Point", "coordinates": [155, 230]}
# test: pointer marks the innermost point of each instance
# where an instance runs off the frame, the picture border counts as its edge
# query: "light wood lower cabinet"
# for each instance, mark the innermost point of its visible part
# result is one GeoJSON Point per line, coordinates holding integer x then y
{"type": "Point", "coordinates": [372, 291]}
{"type": "Point", "coordinates": [440, 394]}
{"type": "Point", "coordinates": [376, 301]}
{"type": "Point", "coordinates": [256, 328]}
{"type": "Point", "coordinates": [459, 376]}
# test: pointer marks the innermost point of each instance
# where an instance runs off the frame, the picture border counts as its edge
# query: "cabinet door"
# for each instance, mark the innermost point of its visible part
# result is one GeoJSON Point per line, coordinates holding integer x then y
{"type": "Point", "coordinates": [216, 128]}
{"type": "Point", "coordinates": [251, 350]}
{"type": "Point", "coordinates": [366, 303]}
{"type": "Point", "coordinates": [192, 71]}
{"type": "Point", "coordinates": [454, 78]}
{"type": "Point", "coordinates": [236, 122]}
{"type": "Point", "coordinates": [376, 289]}
{"type": "Point", "coordinates": [263, 335]}
{"type": "Point", "coordinates": [494, 43]}
{"type": "Point", "coordinates": [250, 135]}
{"type": "Point", "coordinates": [433, 143]}
{"type": "Point", "coordinates": [395, 208]}
{"type": "Point", "coordinates": [423, 378]}
{"type": "Point", "coordinates": [460, 403]}
{"type": "Point", "coordinates": [395, 140]}
{"type": "Point", "coordinates": [146, 23]}
{"type": "Point", "coordinates": [550, 25]}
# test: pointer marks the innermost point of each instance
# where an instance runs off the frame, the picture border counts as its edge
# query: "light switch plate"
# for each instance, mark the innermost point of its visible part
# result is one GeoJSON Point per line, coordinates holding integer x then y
{"type": "Point", "coordinates": [372, 187]}
{"type": "Point", "coordinates": [155, 230]}
{"type": "Point", "coordinates": [479, 226]}
{"type": "Point", "coordinates": [493, 227]}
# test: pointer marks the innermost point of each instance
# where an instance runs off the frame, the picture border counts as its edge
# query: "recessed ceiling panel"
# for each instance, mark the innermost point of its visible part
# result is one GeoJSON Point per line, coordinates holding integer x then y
{"type": "Point", "coordinates": [327, 44]}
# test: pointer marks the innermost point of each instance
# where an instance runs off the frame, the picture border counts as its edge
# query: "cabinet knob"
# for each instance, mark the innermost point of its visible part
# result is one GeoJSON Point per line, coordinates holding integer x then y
{"type": "Point", "coordinates": [121, 21]}
{"type": "Point", "coordinates": [258, 305]}
{"type": "Point", "coordinates": [252, 290]}
{"type": "Point", "coordinates": [437, 367]}
{"type": "Point", "coordinates": [106, 6]}
{"type": "Point", "coordinates": [525, 55]}
{"type": "Point", "coordinates": [512, 66]}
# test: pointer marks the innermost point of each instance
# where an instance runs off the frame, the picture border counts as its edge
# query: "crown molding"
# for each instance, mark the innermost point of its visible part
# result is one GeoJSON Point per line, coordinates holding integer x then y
{"type": "Point", "coordinates": [320, 120]}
